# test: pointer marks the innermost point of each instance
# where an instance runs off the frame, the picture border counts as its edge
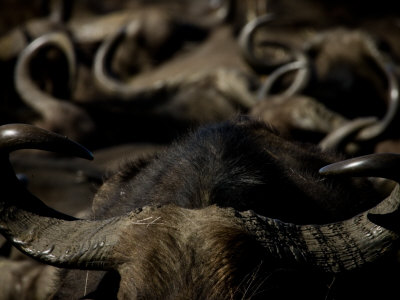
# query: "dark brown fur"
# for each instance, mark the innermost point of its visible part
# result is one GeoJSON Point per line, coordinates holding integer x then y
{"type": "Point", "coordinates": [242, 164]}
{"type": "Point", "coordinates": [198, 254]}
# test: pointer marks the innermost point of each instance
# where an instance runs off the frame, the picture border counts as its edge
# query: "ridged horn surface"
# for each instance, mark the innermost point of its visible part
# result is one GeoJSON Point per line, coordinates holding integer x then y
{"type": "Point", "coordinates": [340, 246]}
{"type": "Point", "coordinates": [37, 230]}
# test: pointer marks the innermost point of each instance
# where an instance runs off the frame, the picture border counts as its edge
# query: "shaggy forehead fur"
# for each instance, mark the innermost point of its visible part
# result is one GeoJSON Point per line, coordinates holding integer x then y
{"type": "Point", "coordinates": [242, 164]}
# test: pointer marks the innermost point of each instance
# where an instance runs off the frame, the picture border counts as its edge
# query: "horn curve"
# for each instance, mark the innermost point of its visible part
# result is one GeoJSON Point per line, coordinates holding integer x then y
{"type": "Point", "coordinates": [301, 65]}
{"type": "Point", "coordinates": [245, 41]}
{"type": "Point", "coordinates": [385, 165]}
{"type": "Point", "coordinates": [24, 136]}
{"type": "Point", "coordinates": [340, 246]}
{"type": "Point", "coordinates": [388, 67]}
{"type": "Point", "coordinates": [101, 62]}
{"type": "Point", "coordinates": [338, 138]}
{"type": "Point", "coordinates": [374, 130]}
{"type": "Point", "coordinates": [26, 88]}
{"type": "Point", "coordinates": [33, 227]}
{"type": "Point", "coordinates": [57, 114]}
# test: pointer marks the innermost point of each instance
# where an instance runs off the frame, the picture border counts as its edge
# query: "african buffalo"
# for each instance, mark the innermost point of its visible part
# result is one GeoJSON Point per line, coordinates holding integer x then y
{"type": "Point", "coordinates": [211, 217]}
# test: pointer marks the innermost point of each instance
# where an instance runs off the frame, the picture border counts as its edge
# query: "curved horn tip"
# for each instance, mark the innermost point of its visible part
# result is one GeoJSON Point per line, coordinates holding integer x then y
{"type": "Point", "coordinates": [25, 136]}
{"type": "Point", "coordinates": [82, 151]}
{"type": "Point", "coordinates": [341, 167]}
{"type": "Point", "coordinates": [374, 165]}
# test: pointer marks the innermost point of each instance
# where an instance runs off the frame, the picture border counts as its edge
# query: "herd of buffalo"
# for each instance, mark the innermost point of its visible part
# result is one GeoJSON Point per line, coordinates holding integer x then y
{"type": "Point", "coordinates": [199, 149]}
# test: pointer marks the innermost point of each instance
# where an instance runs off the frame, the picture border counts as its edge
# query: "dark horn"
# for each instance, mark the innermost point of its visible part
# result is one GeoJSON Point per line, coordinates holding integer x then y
{"type": "Point", "coordinates": [301, 79]}
{"type": "Point", "coordinates": [385, 165]}
{"type": "Point", "coordinates": [340, 246]}
{"type": "Point", "coordinates": [300, 60]}
{"type": "Point", "coordinates": [386, 64]}
{"type": "Point", "coordinates": [26, 88]}
{"type": "Point", "coordinates": [388, 68]}
{"type": "Point", "coordinates": [246, 43]}
{"type": "Point", "coordinates": [23, 136]}
{"type": "Point", "coordinates": [339, 137]}
{"type": "Point", "coordinates": [102, 59]}
{"type": "Point", "coordinates": [56, 114]}
{"type": "Point", "coordinates": [39, 231]}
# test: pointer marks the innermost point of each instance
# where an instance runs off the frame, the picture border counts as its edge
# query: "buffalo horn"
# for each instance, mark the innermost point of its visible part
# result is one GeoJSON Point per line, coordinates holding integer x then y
{"type": "Point", "coordinates": [339, 137]}
{"type": "Point", "coordinates": [344, 245]}
{"type": "Point", "coordinates": [388, 67]}
{"type": "Point", "coordinates": [246, 43]}
{"type": "Point", "coordinates": [38, 230]}
{"type": "Point", "coordinates": [102, 60]}
{"type": "Point", "coordinates": [57, 114]}
{"type": "Point", "coordinates": [27, 89]}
